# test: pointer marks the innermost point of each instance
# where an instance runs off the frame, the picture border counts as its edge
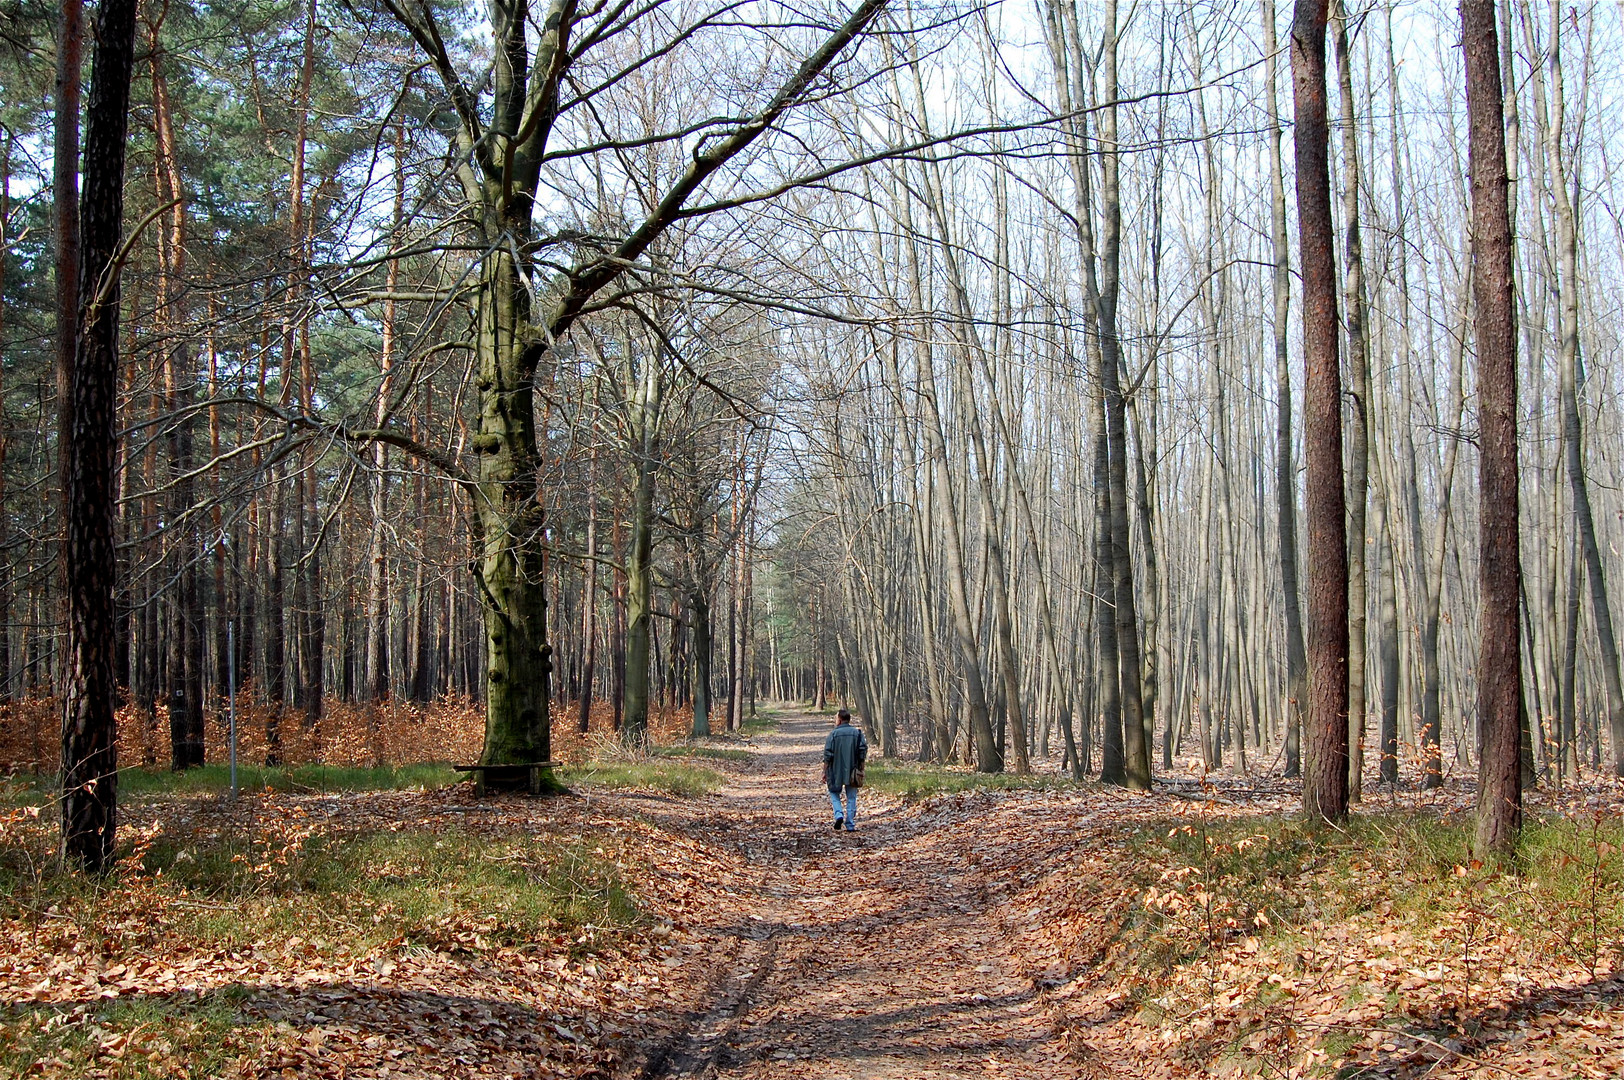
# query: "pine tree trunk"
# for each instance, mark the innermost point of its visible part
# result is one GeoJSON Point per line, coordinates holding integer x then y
{"type": "Point", "coordinates": [377, 608]}
{"type": "Point", "coordinates": [65, 213]}
{"type": "Point", "coordinates": [312, 614]}
{"type": "Point", "coordinates": [89, 751]}
{"type": "Point", "coordinates": [186, 642]}
{"type": "Point", "coordinates": [218, 544]}
{"type": "Point", "coordinates": [5, 436]}
{"type": "Point", "coordinates": [276, 663]}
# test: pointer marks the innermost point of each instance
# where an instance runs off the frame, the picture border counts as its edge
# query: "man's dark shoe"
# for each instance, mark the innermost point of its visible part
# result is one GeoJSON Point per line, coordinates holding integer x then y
{"type": "Point", "coordinates": [839, 822]}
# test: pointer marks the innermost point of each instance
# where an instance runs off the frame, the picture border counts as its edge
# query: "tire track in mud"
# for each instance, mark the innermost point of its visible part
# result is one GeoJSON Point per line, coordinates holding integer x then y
{"type": "Point", "coordinates": [693, 1055]}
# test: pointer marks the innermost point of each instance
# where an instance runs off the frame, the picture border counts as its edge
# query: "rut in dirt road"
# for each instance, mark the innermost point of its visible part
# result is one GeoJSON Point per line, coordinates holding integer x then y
{"type": "Point", "coordinates": [856, 955]}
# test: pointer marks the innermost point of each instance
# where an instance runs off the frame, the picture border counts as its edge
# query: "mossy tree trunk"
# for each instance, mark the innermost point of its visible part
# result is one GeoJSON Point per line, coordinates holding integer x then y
{"type": "Point", "coordinates": [509, 515]}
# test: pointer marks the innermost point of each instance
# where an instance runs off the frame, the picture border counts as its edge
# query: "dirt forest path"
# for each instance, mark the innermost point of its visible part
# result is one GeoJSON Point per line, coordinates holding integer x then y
{"type": "Point", "coordinates": [855, 955]}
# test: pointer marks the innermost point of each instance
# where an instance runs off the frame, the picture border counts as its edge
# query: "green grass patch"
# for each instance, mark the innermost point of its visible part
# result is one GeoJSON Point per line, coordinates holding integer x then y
{"type": "Point", "coordinates": [1279, 877]}
{"type": "Point", "coordinates": [37, 789]}
{"type": "Point", "coordinates": [765, 722]}
{"type": "Point", "coordinates": [127, 1038]}
{"type": "Point", "coordinates": [448, 889]}
{"type": "Point", "coordinates": [445, 890]}
{"type": "Point", "coordinates": [304, 779]}
{"type": "Point", "coordinates": [1204, 906]}
{"type": "Point", "coordinates": [674, 777]}
{"type": "Point", "coordinates": [909, 780]}
{"type": "Point", "coordinates": [712, 753]}
{"type": "Point", "coordinates": [26, 789]}
{"type": "Point", "coordinates": [280, 878]}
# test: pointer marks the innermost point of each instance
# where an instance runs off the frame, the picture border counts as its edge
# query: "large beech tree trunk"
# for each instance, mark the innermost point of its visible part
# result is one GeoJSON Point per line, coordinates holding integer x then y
{"type": "Point", "coordinates": [1113, 766]}
{"type": "Point", "coordinates": [1499, 670]}
{"type": "Point", "coordinates": [517, 656]}
{"type": "Point", "coordinates": [699, 606]}
{"type": "Point", "coordinates": [89, 754]}
{"type": "Point", "coordinates": [1325, 772]}
{"type": "Point", "coordinates": [1136, 748]}
{"type": "Point", "coordinates": [644, 389]}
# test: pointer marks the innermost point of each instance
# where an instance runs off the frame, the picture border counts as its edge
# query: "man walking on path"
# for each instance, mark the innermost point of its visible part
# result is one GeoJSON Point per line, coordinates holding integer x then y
{"type": "Point", "coordinates": [844, 752]}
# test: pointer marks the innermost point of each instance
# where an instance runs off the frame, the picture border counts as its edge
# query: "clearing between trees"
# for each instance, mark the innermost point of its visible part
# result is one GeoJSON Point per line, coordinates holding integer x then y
{"type": "Point", "coordinates": [695, 916]}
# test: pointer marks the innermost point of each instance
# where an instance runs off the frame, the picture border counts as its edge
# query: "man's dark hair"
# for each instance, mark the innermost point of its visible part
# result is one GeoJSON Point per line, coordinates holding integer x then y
{"type": "Point", "coordinates": [845, 715]}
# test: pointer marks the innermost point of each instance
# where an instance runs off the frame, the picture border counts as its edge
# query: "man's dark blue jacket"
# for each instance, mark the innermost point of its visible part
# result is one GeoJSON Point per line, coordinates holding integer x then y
{"type": "Point", "coordinates": [844, 750]}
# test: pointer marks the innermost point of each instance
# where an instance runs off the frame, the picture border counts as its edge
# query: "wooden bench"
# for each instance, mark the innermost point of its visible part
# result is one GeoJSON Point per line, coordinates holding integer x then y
{"type": "Point", "coordinates": [527, 777]}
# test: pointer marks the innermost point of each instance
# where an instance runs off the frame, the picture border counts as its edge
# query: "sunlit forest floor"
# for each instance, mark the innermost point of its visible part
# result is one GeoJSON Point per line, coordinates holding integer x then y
{"type": "Point", "coordinates": [689, 913]}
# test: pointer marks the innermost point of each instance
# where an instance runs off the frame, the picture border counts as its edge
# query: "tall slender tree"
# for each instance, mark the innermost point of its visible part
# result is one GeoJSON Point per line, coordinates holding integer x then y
{"type": "Point", "coordinates": [1499, 667]}
{"type": "Point", "coordinates": [1325, 772]}
{"type": "Point", "coordinates": [89, 751]}
{"type": "Point", "coordinates": [70, 35]}
{"type": "Point", "coordinates": [1359, 403]}
{"type": "Point", "coordinates": [1285, 473]}
{"type": "Point", "coordinates": [1565, 191]}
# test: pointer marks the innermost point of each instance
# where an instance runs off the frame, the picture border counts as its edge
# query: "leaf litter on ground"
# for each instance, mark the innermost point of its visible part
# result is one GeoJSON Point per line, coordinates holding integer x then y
{"type": "Point", "coordinates": [1196, 931]}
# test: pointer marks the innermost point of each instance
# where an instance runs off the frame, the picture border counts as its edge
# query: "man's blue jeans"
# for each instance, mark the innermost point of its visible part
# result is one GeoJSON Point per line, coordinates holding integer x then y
{"type": "Point", "coordinates": [850, 813]}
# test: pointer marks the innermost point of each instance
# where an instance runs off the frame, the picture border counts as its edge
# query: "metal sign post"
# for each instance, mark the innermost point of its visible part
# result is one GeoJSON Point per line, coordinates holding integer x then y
{"type": "Point", "coordinates": [231, 685]}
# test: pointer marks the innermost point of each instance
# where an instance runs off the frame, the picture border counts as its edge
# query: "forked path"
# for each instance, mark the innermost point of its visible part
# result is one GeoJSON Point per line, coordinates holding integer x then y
{"type": "Point", "coordinates": [872, 954]}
